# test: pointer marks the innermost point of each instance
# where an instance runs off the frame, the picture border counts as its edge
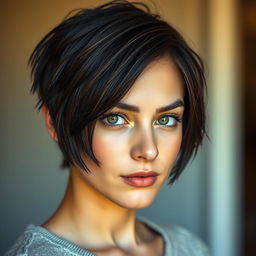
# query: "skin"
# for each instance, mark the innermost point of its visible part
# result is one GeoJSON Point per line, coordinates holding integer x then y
{"type": "Point", "coordinates": [98, 209]}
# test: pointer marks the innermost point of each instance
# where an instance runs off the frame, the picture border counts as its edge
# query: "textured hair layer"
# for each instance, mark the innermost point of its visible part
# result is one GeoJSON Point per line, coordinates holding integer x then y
{"type": "Point", "coordinates": [85, 66]}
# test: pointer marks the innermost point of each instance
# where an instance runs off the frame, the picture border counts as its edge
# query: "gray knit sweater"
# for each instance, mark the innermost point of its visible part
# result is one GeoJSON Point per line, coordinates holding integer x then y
{"type": "Point", "coordinates": [38, 241]}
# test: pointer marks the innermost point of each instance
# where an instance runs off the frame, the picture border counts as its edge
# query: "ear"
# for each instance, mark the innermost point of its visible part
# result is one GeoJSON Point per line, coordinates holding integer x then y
{"type": "Point", "coordinates": [48, 123]}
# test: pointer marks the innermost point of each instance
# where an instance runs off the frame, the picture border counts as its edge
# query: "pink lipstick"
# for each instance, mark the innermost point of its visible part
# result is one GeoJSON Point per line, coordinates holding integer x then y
{"type": "Point", "coordinates": [140, 179]}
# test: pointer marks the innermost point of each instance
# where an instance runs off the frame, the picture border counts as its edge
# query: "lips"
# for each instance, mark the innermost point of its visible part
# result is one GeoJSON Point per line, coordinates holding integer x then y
{"type": "Point", "coordinates": [141, 174]}
{"type": "Point", "coordinates": [140, 179]}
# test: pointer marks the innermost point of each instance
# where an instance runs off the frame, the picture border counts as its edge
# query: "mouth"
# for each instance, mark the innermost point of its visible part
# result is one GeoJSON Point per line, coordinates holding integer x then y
{"type": "Point", "coordinates": [140, 179]}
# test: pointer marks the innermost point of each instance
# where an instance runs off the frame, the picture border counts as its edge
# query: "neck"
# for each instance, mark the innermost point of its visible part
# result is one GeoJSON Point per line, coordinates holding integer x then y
{"type": "Point", "coordinates": [92, 221]}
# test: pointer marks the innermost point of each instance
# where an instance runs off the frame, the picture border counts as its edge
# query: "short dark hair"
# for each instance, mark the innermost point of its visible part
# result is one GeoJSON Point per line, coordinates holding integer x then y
{"type": "Point", "coordinates": [85, 65]}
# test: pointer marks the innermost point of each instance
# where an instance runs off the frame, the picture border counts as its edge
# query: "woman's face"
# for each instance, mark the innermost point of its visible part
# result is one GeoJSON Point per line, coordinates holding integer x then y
{"type": "Point", "coordinates": [142, 133]}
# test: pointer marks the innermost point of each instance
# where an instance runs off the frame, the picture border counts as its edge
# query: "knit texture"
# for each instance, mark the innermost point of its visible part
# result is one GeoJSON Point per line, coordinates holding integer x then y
{"type": "Point", "coordinates": [38, 241]}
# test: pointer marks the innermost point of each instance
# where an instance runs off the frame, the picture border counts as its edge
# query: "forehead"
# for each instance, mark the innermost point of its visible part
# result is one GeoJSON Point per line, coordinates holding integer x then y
{"type": "Point", "coordinates": [160, 82]}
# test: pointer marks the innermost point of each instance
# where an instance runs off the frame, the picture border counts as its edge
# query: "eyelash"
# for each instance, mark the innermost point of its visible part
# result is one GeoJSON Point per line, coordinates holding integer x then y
{"type": "Point", "coordinates": [176, 117]}
{"type": "Point", "coordinates": [113, 114]}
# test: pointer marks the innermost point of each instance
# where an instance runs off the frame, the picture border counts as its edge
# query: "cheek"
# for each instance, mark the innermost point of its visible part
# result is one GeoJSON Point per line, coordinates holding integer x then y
{"type": "Point", "coordinates": [108, 146]}
{"type": "Point", "coordinates": [170, 147]}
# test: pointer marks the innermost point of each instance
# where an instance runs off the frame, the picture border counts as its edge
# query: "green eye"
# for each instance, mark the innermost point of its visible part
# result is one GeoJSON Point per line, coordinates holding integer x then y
{"type": "Point", "coordinates": [113, 120]}
{"type": "Point", "coordinates": [163, 120]}
{"type": "Point", "coordinates": [169, 121]}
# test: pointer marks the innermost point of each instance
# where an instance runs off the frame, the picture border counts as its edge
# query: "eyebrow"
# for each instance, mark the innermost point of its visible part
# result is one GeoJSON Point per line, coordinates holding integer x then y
{"type": "Point", "coordinates": [175, 104]}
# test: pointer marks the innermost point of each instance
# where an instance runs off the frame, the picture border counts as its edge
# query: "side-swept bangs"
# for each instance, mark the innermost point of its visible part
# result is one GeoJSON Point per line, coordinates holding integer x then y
{"type": "Point", "coordinates": [86, 65]}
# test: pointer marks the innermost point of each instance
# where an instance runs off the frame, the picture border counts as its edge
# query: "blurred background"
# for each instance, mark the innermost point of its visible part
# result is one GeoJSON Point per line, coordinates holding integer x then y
{"type": "Point", "coordinates": [214, 198]}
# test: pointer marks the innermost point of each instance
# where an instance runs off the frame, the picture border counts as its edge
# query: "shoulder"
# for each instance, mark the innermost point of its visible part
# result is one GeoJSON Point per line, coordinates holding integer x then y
{"type": "Point", "coordinates": [184, 242]}
{"type": "Point", "coordinates": [178, 240]}
{"type": "Point", "coordinates": [21, 243]}
{"type": "Point", "coordinates": [34, 242]}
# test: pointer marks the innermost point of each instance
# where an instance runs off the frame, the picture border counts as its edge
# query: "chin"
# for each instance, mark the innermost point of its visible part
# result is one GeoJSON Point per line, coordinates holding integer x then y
{"type": "Point", "coordinates": [137, 201]}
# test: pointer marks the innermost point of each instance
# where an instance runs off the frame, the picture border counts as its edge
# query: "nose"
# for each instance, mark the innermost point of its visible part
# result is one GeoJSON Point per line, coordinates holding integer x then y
{"type": "Point", "coordinates": [145, 148]}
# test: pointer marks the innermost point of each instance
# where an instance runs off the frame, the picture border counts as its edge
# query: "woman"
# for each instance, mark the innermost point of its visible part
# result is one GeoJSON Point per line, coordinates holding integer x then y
{"type": "Point", "coordinates": [123, 96]}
